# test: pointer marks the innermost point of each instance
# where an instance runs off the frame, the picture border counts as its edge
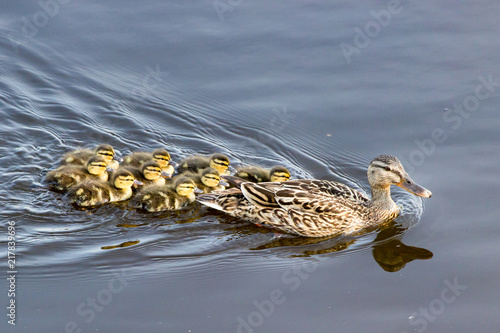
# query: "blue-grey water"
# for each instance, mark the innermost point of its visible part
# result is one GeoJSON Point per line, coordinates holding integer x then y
{"type": "Point", "coordinates": [319, 87]}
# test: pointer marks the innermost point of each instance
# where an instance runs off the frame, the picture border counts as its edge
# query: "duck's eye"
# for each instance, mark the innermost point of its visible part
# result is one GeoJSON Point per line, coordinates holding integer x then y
{"type": "Point", "coordinates": [387, 169]}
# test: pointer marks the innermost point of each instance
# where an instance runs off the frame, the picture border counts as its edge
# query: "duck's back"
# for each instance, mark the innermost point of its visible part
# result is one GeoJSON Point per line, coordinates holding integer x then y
{"type": "Point", "coordinates": [137, 159]}
{"type": "Point", "coordinates": [156, 198]}
{"type": "Point", "coordinates": [77, 157]}
{"type": "Point", "coordinates": [66, 176]}
{"type": "Point", "coordinates": [91, 193]}
{"type": "Point", "coordinates": [193, 164]}
{"type": "Point", "coordinates": [253, 174]}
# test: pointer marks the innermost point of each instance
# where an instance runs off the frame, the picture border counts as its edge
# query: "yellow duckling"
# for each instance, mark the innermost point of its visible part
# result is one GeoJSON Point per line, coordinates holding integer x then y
{"type": "Point", "coordinates": [92, 193]}
{"type": "Point", "coordinates": [159, 155]}
{"type": "Point", "coordinates": [207, 180]}
{"type": "Point", "coordinates": [220, 162]}
{"type": "Point", "coordinates": [257, 174]}
{"type": "Point", "coordinates": [66, 176]}
{"type": "Point", "coordinates": [81, 156]}
{"type": "Point", "coordinates": [166, 197]}
{"type": "Point", "coordinates": [149, 174]}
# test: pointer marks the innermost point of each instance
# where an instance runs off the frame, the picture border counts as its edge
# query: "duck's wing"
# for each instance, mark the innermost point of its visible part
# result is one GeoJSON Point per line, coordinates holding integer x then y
{"type": "Point", "coordinates": [278, 195]}
{"type": "Point", "coordinates": [318, 187]}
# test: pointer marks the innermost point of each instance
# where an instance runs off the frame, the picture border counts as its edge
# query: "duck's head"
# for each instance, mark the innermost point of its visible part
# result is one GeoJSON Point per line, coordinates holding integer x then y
{"type": "Point", "coordinates": [124, 179]}
{"type": "Point", "coordinates": [96, 165]}
{"type": "Point", "coordinates": [279, 174]}
{"type": "Point", "coordinates": [386, 170]}
{"type": "Point", "coordinates": [151, 170]}
{"type": "Point", "coordinates": [211, 177]}
{"type": "Point", "coordinates": [220, 162]}
{"type": "Point", "coordinates": [107, 152]}
{"type": "Point", "coordinates": [162, 157]}
{"type": "Point", "coordinates": [185, 186]}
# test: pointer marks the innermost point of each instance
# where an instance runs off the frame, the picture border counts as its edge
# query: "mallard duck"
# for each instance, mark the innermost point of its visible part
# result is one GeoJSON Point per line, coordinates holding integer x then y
{"type": "Point", "coordinates": [220, 162]}
{"type": "Point", "coordinates": [206, 180]}
{"type": "Point", "coordinates": [81, 156]}
{"type": "Point", "coordinates": [317, 208]}
{"type": "Point", "coordinates": [149, 174]}
{"type": "Point", "coordinates": [66, 176]}
{"type": "Point", "coordinates": [166, 197]}
{"type": "Point", "coordinates": [92, 193]}
{"type": "Point", "coordinates": [161, 156]}
{"type": "Point", "coordinates": [256, 174]}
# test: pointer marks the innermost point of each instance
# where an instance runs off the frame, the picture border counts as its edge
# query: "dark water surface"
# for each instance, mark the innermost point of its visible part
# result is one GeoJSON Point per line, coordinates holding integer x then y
{"type": "Point", "coordinates": [287, 82]}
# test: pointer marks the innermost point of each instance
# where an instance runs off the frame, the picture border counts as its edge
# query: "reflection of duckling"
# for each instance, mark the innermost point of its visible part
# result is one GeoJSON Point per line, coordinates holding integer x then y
{"type": "Point", "coordinates": [159, 155]}
{"type": "Point", "coordinates": [207, 180]}
{"type": "Point", "coordinates": [68, 175]}
{"type": "Point", "coordinates": [92, 193]}
{"type": "Point", "coordinates": [166, 197]}
{"type": "Point", "coordinates": [149, 174]}
{"type": "Point", "coordinates": [80, 156]}
{"type": "Point", "coordinates": [257, 174]}
{"type": "Point", "coordinates": [220, 162]}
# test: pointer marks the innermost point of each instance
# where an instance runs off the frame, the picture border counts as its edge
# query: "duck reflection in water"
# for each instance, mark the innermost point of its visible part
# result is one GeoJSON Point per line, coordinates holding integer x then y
{"type": "Point", "coordinates": [387, 249]}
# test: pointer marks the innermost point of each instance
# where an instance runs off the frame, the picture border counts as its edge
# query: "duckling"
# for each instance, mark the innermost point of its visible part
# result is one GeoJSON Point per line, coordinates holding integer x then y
{"type": "Point", "coordinates": [159, 155]}
{"type": "Point", "coordinates": [92, 193]}
{"type": "Point", "coordinates": [257, 174]}
{"type": "Point", "coordinates": [220, 162]}
{"type": "Point", "coordinates": [66, 176]}
{"type": "Point", "coordinates": [80, 156]}
{"type": "Point", "coordinates": [166, 197]}
{"type": "Point", "coordinates": [149, 174]}
{"type": "Point", "coordinates": [207, 180]}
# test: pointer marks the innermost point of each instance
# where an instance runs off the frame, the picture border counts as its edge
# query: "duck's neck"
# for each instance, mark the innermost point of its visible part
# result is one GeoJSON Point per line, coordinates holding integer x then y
{"type": "Point", "coordinates": [382, 201]}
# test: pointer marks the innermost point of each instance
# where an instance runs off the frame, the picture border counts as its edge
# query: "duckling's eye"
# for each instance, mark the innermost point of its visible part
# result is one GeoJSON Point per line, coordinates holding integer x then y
{"type": "Point", "coordinates": [162, 158]}
{"type": "Point", "coordinates": [221, 163]}
{"type": "Point", "coordinates": [104, 153]}
{"type": "Point", "coordinates": [387, 169]}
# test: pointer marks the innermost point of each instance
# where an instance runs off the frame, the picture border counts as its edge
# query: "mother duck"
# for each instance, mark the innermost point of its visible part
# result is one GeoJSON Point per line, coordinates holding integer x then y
{"type": "Point", "coordinates": [317, 208]}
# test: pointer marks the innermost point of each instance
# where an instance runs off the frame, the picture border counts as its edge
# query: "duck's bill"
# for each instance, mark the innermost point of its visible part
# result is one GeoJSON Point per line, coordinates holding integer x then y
{"type": "Point", "coordinates": [118, 159]}
{"type": "Point", "coordinates": [138, 182]}
{"type": "Point", "coordinates": [109, 169]}
{"type": "Point", "coordinates": [198, 191]}
{"type": "Point", "coordinates": [412, 187]}
{"type": "Point", "coordinates": [174, 164]}
{"type": "Point", "coordinates": [166, 175]}
{"type": "Point", "coordinates": [223, 183]}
